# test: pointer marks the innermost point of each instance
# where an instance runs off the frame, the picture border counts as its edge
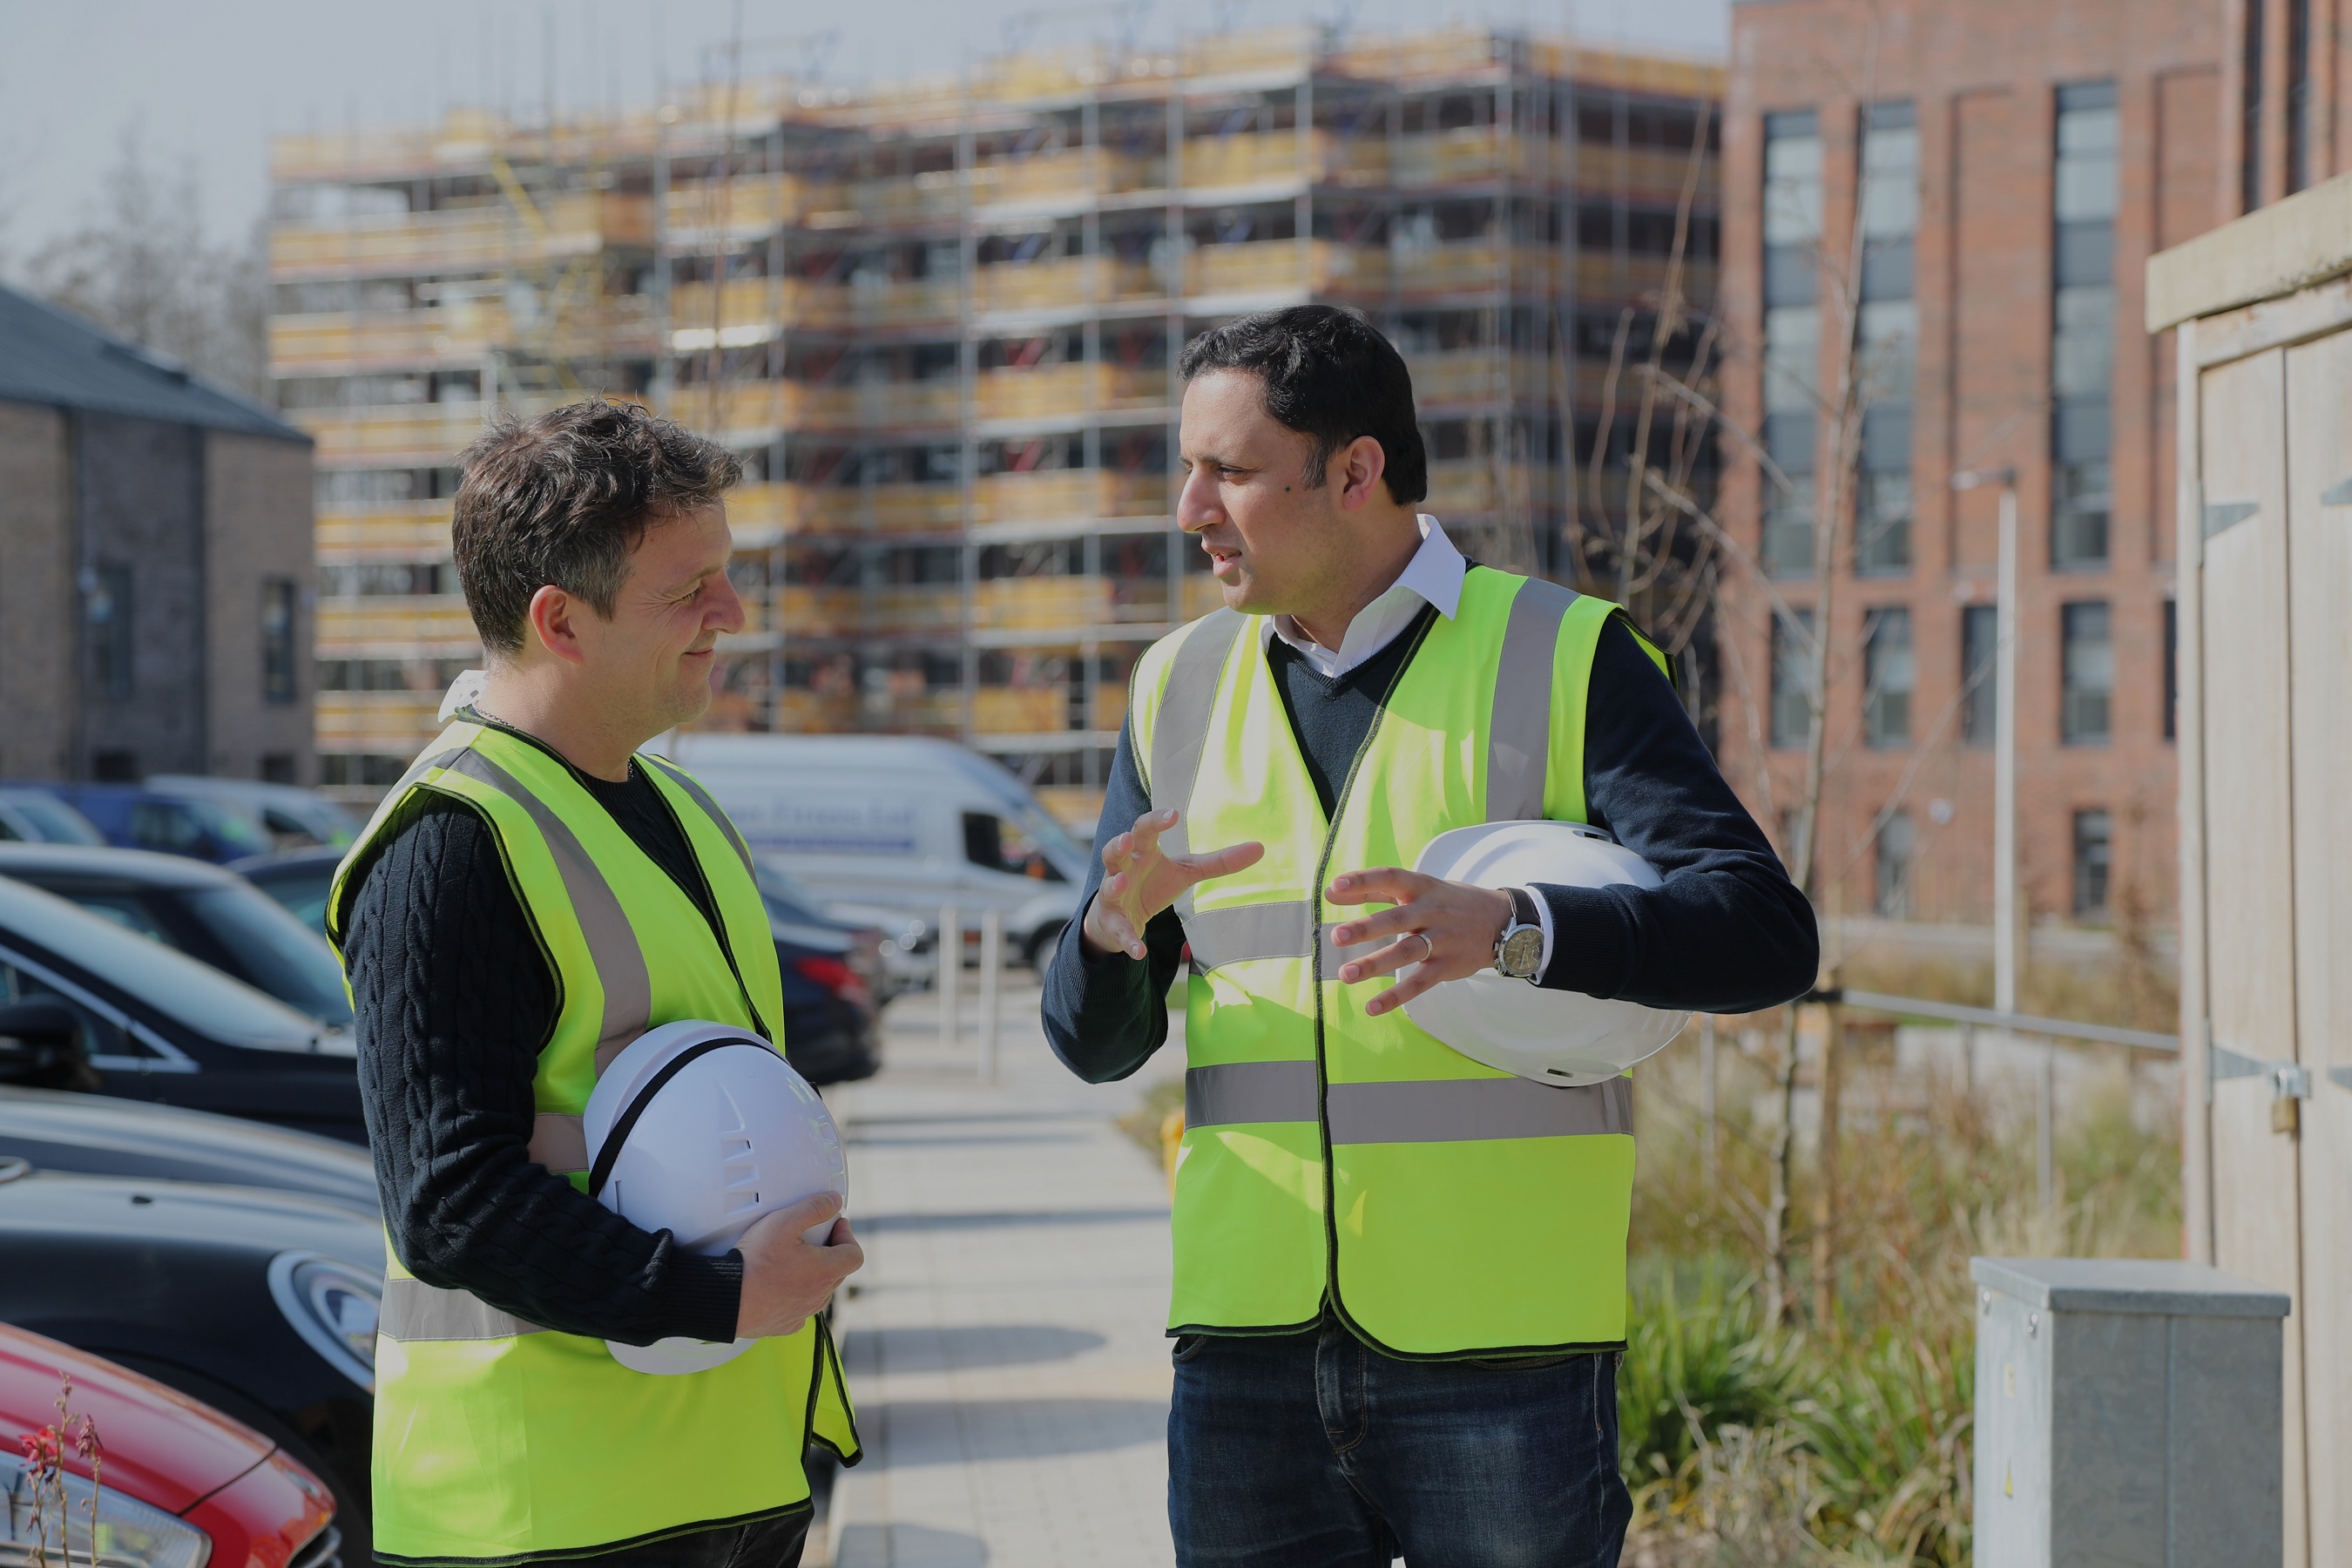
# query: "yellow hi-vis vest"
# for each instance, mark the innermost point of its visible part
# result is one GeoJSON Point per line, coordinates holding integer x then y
{"type": "Point", "coordinates": [1440, 1207]}
{"type": "Point", "coordinates": [499, 1441]}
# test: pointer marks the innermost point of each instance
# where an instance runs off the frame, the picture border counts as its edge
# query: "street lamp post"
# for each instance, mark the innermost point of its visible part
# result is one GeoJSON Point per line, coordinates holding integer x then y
{"type": "Point", "coordinates": [2008, 928]}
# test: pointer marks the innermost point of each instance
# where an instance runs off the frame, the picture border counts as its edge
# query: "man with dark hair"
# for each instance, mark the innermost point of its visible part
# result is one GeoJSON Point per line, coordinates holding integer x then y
{"type": "Point", "coordinates": [1395, 1332]}
{"type": "Point", "coordinates": [528, 901]}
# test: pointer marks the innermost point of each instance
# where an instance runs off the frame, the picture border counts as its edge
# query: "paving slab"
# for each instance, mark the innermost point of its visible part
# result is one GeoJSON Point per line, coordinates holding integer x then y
{"type": "Point", "coordinates": [1004, 1342]}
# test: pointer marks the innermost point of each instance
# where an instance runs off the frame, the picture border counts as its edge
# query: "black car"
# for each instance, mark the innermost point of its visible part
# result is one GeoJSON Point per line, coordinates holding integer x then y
{"type": "Point", "coordinates": [87, 1004]}
{"type": "Point", "coordinates": [833, 974]}
{"type": "Point", "coordinates": [96, 1135]}
{"type": "Point", "coordinates": [297, 878]}
{"type": "Point", "coordinates": [263, 1305]}
{"type": "Point", "coordinates": [205, 911]}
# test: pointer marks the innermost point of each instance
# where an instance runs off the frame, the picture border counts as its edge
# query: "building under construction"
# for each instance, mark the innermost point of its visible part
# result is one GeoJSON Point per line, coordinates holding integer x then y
{"type": "Point", "coordinates": [939, 320]}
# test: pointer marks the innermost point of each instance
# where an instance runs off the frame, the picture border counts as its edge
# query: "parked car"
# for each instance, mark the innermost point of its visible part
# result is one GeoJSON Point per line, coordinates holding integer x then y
{"type": "Point", "coordinates": [833, 1028]}
{"type": "Point", "coordinates": [37, 816]}
{"type": "Point", "coordinates": [262, 1305]}
{"type": "Point", "coordinates": [136, 817]}
{"type": "Point", "coordinates": [897, 823]}
{"type": "Point", "coordinates": [294, 816]}
{"type": "Point", "coordinates": [297, 878]}
{"type": "Point", "coordinates": [179, 1484]}
{"type": "Point", "coordinates": [97, 1135]}
{"type": "Point", "coordinates": [88, 1004]}
{"type": "Point", "coordinates": [206, 912]}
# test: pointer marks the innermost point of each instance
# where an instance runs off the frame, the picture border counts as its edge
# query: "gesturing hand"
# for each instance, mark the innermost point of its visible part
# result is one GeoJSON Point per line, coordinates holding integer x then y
{"type": "Point", "coordinates": [1141, 880]}
{"type": "Point", "coordinates": [1458, 923]}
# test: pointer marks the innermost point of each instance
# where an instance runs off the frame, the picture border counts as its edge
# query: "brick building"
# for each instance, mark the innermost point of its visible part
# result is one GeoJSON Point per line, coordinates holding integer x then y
{"type": "Point", "coordinates": [1976, 187]}
{"type": "Point", "coordinates": [152, 615]}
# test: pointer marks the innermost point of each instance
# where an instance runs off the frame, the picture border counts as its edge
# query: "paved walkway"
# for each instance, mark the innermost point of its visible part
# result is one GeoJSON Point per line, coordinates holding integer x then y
{"type": "Point", "coordinates": [1003, 1341]}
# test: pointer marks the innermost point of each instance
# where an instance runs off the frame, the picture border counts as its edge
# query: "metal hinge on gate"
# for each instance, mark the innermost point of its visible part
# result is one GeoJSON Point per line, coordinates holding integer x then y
{"type": "Point", "coordinates": [2290, 1081]}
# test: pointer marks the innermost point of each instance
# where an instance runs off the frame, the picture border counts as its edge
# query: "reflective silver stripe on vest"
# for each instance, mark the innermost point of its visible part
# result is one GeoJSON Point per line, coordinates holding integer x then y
{"type": "Point", "coordinates": [1518, 731]}
{"type": "Point", "coordinates": [415, 1311]}
{"type": "Point", "coordinates": [1180, 731]}
{"type": "Point", "coordinates": [1250, 1091]}
{"type": "Point", "coordinates": [559, 1141]}
{"type": "Point", "coordinates": [1438, 1110]}
{"type": "Point", "coordinates": [701, 797]}
{"type": "Point", "coordinates": [1284, 930]}
{"type": "Point", "coordinates": [612, 949]}
{"type": "Point", "coordinates": [1474, 1109]}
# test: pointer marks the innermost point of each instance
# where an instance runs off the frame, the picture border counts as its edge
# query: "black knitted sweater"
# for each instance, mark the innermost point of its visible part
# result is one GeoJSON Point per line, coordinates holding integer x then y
{"type": "Point", "coordinates": [455, 998]}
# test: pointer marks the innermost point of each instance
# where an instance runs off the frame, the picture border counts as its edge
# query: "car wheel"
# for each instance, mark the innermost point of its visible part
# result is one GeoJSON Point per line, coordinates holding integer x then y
{"type": "Point", "coordinates": [1040, 950]}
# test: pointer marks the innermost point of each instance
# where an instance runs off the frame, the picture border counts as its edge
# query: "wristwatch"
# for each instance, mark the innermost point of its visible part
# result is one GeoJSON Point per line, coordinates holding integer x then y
{"type": "Point", "coordinates": [1519, 951]}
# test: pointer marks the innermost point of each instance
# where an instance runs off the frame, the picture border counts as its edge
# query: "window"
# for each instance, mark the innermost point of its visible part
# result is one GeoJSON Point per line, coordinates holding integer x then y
{"type": "Point", "coordinates": [1895, 845]}
{"type": "Point", "coordinates": [1789, 527]}
{"type": "Point", "coordinates": [1889, 672]}
{"type": "Point", "coordinates": [2171, 669]}
{"type": "Point", "coordinates": [996, 844]}
{"type": "Point", "coordinates": [1792, 679]}
{"type": "Point", "coordinates": [1980, 647]}
{"type": "Point", "coordinates": [2087, 672]}
{"type": "Point", "coordinates": [108, 611]}
{"type": "Point", "coordinates": [2082, 324]}
{"type": "Point", "coordinates": [1882, 543]}
{"type": "Point", "coordinates": [278, 640]}
{"type": "Point", "coordinates": [277, 767]}
{"type": "Point", "coordinates": [1792, 332]}
{"type": "Point", "coordinates": [2094, 854]}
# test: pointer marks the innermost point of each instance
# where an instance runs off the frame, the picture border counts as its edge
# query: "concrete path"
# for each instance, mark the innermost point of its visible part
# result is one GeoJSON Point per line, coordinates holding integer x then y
{"type": "Point", "coordinates": [1003, 1341]}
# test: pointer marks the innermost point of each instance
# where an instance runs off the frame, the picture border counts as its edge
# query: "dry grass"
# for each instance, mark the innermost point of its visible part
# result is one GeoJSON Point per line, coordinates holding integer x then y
{"type": "Point", "coordinates": [1842, 1438]}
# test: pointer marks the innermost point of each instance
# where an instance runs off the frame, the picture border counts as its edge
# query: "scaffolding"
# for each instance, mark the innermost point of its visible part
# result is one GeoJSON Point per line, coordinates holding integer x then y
{"type": "Point", "coordinates": [939, 320]}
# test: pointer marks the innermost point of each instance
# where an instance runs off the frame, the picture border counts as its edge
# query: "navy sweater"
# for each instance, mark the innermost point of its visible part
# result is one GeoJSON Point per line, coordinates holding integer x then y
{"type": "Point", "coordinates": [1726, 933]}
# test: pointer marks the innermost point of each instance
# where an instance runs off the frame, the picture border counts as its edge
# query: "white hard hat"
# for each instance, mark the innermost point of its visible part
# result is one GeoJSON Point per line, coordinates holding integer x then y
{"type": "Point", "coordinates": [699, 1129]}
{"type": "Point", "coordinates": [1560, 1038]}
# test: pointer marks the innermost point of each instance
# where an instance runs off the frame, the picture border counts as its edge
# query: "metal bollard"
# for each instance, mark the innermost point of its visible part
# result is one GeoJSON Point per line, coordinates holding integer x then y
{"type": "Point", "coordinates": [1706, 1088]}
{"type": "Point", "coordinates": [949, 948]}
{"type": "Point", "coordinates": [991, 966]}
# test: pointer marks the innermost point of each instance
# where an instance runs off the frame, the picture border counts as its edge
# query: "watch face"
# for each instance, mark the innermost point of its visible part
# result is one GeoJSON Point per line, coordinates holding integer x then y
{"type": "Point", "coordinates": [1522, 951]}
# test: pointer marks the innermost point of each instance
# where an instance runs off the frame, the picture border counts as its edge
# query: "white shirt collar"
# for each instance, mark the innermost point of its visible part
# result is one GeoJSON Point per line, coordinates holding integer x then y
{"type": "Point", "coordinates": [1434, 577]}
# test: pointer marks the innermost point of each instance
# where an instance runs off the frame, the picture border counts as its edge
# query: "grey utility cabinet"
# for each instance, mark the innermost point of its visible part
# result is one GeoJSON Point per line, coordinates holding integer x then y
{"type": "Point", "coordinates": [2127, 1414]}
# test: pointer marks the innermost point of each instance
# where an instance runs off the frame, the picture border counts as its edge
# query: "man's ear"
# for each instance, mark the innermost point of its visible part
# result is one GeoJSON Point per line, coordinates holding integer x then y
{"type": "Point", "coordinates": [1357, 468]}
{"type": "Point", "coordinates": [555, 621]}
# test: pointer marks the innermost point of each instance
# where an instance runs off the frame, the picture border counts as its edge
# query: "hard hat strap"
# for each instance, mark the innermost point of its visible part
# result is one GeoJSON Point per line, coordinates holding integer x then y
{"type": "Point", "coordinates": [618, 1139]}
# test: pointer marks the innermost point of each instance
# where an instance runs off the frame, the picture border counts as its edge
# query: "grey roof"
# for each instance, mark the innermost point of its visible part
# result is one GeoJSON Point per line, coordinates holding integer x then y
{"type": "Point", "coordinates": [49, 357]}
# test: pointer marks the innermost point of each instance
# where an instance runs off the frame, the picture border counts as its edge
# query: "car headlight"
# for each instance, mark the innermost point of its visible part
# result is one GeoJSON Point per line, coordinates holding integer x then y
{"type": "Point", "coordinates": [129, 1533]}
{"type": "Point", "coordinates": [334, 1306]}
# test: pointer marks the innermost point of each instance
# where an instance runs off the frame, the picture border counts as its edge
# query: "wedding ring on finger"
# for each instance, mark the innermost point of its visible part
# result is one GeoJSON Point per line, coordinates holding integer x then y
{"type": "Point", "coordinates": [1428, 948]}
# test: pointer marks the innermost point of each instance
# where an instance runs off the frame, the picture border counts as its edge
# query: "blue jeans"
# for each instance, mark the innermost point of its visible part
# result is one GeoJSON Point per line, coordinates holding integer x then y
{"type": "Point", "coordinates": [1311, 1451]}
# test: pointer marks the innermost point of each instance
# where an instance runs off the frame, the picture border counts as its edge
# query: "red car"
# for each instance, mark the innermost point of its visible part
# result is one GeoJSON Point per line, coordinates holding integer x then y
{"type": "Point", "coordinates": [180, 1485]}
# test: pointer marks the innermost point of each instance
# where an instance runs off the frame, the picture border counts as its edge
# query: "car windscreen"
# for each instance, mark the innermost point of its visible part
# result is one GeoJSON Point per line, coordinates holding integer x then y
{"type": "Point", "coordinates": [301, 890]}
{"type": "Point", "coordinates": [788, 898]}
{"type": "Point", "coordinates": [319, 821]}
{"type": "Point", "coordinates": [160, 978]}
{"type": "Point", "coordinates": [285, 958]}
{"type": "Point", "coordinates": [58, 822]}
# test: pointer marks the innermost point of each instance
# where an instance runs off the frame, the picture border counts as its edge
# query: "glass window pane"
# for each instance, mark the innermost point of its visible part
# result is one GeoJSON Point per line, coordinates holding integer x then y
{"type": "Point", "coordinates": [1793, 666]}
{"type": "Point", "coordinates": [1889, 673]}
{"type": "Point", "coordinates": [2093, 859]}
{"type": "Point", "coordinates": [1979, 645]}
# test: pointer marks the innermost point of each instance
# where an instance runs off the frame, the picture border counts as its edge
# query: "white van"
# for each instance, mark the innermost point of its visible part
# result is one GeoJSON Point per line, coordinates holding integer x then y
{"type": "Point", "coordinates": [896, 822]}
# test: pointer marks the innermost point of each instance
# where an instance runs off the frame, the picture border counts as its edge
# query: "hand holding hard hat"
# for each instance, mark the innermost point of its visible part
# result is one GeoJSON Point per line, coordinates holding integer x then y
{"type": "Point", "coordinates": [1441, 953]}
{"type": "Point", "coordinates": [701, 1130]}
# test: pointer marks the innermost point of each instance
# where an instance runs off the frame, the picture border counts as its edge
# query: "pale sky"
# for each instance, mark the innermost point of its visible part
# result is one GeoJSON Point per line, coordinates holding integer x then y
{"type": "Point", "coordinates": [209, 81]}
